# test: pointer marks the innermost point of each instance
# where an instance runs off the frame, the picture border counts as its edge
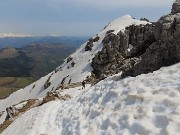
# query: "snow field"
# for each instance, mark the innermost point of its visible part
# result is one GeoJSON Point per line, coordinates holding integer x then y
{"type": "Point", "coordinates": [143, 105]}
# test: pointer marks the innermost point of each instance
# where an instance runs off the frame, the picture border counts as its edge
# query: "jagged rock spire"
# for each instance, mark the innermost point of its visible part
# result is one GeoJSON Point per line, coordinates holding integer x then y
{"type": "Point", "coordinates": [176, 7]}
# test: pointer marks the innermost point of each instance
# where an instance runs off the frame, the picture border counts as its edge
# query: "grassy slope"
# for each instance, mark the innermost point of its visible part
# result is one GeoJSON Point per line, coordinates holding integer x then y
{"type": "Point", "coordinates": [47, 57]}
{"type": "Point", "coordinates": [33, 60]}
{"type": "Point", "coordinates": [8, 53]}
{"type": "Point", "coordinates": [12, 84]}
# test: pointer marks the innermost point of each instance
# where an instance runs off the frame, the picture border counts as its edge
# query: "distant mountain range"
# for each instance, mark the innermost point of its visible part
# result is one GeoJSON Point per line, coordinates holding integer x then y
{"type": "Point", "coordinates": [5, 35]}
{"type": "Point", "coordinates": [20, 41]}
{"type": "Point", "coordinates": [33, 60]}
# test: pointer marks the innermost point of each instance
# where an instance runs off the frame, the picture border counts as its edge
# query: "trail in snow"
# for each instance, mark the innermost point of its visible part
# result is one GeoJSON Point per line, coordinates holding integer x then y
{"type": "Point", "coordinates": [144, 105]}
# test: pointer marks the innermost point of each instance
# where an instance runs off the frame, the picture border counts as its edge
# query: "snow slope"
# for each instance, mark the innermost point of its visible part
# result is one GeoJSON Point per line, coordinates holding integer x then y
{"type": "Point", "coordinates": [148, 104]}
{"type": "Point", "coordinates": [77, 73]}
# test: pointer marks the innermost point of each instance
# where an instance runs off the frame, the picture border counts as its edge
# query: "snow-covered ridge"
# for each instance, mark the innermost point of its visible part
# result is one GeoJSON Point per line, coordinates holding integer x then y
{"type": "Point", "coordinates": [66, 71]}
{"type": "Point", "coordinates": [121, 23]}
{"type": "Point", "coordinates": [13, 35]}
{"type": "Point", "coordinates": [148, 104]}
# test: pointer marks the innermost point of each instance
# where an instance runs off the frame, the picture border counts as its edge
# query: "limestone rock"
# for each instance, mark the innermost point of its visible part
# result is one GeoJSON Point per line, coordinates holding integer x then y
{"type": "Point", "coordinates": [140, 49]}
{"type": "Point", "coordinates": [176, 7]}
{"type": "Point", "coordinates": [115, 57]}
{"type": "Point", "coordinates": [164, 51]}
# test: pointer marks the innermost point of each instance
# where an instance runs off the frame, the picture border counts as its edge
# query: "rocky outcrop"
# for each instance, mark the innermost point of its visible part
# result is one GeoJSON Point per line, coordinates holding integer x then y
{"type": "Point", "coordinates": [176, 7]}
{"type": "Point", "coordinates": [90, 43]}
{"type": "Point", "coordinates": [47, 83]}
{"type": "Point", "coordinates": [120, 52]}
{"type": "Point", "coordinates": [166, 50]}
{"type": "Point", "coordinates": [141, 49]}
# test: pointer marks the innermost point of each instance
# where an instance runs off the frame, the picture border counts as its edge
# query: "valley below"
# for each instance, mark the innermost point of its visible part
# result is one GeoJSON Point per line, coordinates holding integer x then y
{"type": "Point", "coordinates": [20, 67]}
{"type": "Point", "coordinates": [9, 85]}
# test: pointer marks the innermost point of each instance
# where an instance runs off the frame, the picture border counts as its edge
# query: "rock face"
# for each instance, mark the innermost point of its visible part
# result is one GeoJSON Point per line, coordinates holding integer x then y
{"type": "Point", "coordinates": [176, 7]}
{"type": "Point", "coordinates": [122, 51]}
{"type": "Point", "coordinates": [90, 43]}
{"type": "Point", "coordinates": [141, 49]}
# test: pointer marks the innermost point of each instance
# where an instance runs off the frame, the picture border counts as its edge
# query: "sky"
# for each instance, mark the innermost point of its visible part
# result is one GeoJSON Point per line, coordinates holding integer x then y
{"type": "Point", "coordinates": [73, 17]}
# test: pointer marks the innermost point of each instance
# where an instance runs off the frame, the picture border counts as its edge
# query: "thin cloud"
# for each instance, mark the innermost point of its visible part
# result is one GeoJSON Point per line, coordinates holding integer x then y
{"type": "Point", "coordinates": [71, 17]}
{"type": "Point", "coordinates": [108, 4]}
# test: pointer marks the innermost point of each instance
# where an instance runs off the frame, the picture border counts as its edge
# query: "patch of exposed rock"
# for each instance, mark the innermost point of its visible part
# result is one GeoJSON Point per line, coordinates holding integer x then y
{"type": "Point", "coordinates": [166, 50]}
{"type": "Point", "coordinates": [176, 7]}
{"type": "Point", "coordinates": [120, 52]}
{"type": "Point", "coordinates": [141, 49]}
{"type": "Point", "coordinates": [90, 43]}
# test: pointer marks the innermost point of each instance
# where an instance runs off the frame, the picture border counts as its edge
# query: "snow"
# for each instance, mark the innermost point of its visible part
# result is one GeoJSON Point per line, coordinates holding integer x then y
{"type": "Point", "coordinates": [3, 117]}
{"type": "Point", "coordinates": [79, 72]}
{"type": "Point", "coordinates": [20, 105]}
{"type": "Point", "coordinates": [148, 104]}
{"type": "Point", "coordinates": [121, 23]}
{"type": "Point", "coordinates": [13, 35]}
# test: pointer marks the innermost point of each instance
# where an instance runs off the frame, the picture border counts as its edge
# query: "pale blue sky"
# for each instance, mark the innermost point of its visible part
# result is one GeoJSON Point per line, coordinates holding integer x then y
{"type": "Point", "coordinates": [73, 17]}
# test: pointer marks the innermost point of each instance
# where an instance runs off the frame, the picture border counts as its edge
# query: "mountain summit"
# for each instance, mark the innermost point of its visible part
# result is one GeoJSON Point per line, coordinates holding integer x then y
{"type": "Point", "coordinates": [145, 104]}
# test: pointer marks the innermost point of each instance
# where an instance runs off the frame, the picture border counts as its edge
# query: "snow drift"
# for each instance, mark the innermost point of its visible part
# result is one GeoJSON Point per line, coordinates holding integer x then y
{"type": "Point", "coordinates": [148, 104]}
